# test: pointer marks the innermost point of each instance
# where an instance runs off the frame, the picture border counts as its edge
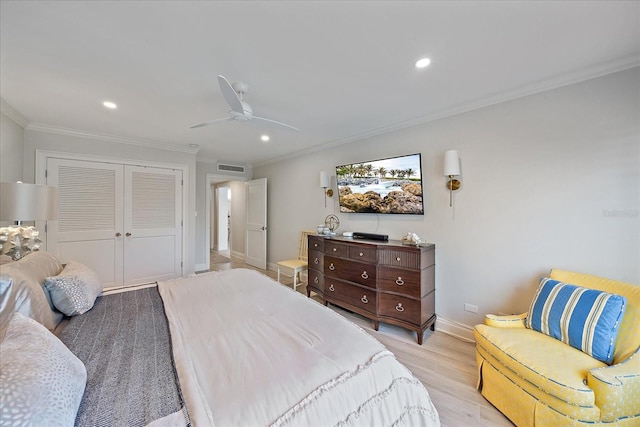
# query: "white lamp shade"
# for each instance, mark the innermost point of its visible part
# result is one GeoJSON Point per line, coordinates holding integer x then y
{"type": "Point", "coordinates": [451, 163]}
{"type": "Point", "coordinates": [27, 202]}
{"type": "Point", "coordinates": [324, 179]}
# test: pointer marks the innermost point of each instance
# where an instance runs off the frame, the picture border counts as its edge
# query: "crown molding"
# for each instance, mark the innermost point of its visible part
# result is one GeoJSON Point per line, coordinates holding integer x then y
{"type": "Point", "coordinates": [556, 82]}
{"type": "Point", "coordinates": [42, 127]}
{"type": "Point", "coordinates": [14, 115]}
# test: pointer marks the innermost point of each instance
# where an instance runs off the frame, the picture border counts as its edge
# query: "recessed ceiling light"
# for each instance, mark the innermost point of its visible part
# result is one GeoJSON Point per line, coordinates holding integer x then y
{"type": "Point", "coordinates": [423, 62]}
{"type": "Point", "coordinates": [264, 138]}
{"type": "Point", "coordinates": [110, 105]}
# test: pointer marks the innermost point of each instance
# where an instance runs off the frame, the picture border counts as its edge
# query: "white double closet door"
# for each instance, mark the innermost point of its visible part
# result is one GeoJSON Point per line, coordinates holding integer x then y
{"type": "Point", "coordinates": [122, 221]}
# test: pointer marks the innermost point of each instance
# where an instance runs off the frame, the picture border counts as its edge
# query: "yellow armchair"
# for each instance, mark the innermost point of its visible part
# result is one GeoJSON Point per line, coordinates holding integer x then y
{"type": "Point", "coordinates": [537, 380]}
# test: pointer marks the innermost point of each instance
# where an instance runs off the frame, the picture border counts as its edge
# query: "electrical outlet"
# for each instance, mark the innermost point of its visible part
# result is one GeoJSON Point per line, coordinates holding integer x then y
{"type": "Point", "coordinates": [470, 308]}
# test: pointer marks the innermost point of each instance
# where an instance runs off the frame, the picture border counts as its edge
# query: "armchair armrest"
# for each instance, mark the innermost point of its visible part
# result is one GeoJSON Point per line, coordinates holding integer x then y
{"type": "Point", "coordinates": [616, 388]}
{"type": "Point", "coordinates": [510, 321]}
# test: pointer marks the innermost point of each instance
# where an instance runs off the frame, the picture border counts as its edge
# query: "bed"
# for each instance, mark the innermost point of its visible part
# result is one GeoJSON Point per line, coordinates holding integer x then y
{"type": "Point", "coordinates": [231, 348]}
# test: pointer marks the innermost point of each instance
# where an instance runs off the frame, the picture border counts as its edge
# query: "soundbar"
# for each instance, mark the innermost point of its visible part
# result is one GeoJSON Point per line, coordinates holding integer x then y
{"type": "Point", "coordinates": [370, 236]}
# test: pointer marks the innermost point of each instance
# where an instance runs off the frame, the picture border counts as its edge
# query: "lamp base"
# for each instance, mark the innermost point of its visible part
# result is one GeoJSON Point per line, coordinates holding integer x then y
{"type": "Point", "coordinates": [17, 242]}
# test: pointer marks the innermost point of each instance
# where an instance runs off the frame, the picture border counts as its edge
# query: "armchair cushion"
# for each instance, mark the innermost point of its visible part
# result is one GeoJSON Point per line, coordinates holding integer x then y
{"type": "Point", "coordinates": [586, 319]}
{"type": "Point", "coordinates": [557, 370]}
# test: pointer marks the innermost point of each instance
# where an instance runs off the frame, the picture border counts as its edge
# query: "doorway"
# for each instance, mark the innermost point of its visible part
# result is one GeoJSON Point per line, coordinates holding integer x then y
{"type": "Point", "coordinates": [221, 219]}
{"type": "Point", "coordinates": [224, 219]}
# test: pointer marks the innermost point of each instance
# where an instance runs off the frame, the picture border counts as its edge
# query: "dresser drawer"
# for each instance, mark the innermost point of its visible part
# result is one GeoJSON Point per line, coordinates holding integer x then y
{"type": "Point", "coordinates": [316, 243]}
{"type": "Point", "coordinates": [406, 282]}
{"type": "Point", "coordinates": [397, 258]}
{"type": "Point", "coordinates": [354, 295]}
{"type": "Point", "coordinates": [335, 249]}
{"type": "Point", "coordinates": [345, 269]}
{"type": "Point", "coordinates": [316, 280]}
{"type": "Point", "coordinates": [315, 260]}
{"type": "Point", "coordinates": [401, 308]}
{"type": "Point", "coordinates": [363, 253]}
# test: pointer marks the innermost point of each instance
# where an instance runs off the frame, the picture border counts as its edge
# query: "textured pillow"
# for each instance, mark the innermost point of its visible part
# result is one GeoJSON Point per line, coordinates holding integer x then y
{"type": "Point", "coordinates": [41, 381]}
{"type": "Point", "coordinates": [587, 319]}
{"type": "Point", "coordinates": [75, 289]}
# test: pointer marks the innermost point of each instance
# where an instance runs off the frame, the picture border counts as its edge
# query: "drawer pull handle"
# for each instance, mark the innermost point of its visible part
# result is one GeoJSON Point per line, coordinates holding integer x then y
{"type": "Point", "coordinates": [364, 299]}
{"type": "Point", "coordinates": [399, 281]}
{"type": "Point", "coordinates": [361, 254]}
{"type": "Point", "coordinates": [332, 267]}
{"type": "Point", "coordinates": [315, 280]}
{"type": "Point", "coordinates": [364, 275]}
{"type": "Point", "coordinates": [335, 249]}
{"type": "Point", "coordinates": [399, 307]}
{"type": "Point", "coordinates": [398, 258]}
{"type": "Point", "coordinates": [316, 261]}
{"type": "Point", "coordinates": [331, 288]}
{"type": "Point", "coordinates": [315, 245]}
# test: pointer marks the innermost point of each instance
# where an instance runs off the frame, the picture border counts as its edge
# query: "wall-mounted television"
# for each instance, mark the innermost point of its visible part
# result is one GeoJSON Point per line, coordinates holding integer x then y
{"type": "Point", "coordinates": [386, 186]}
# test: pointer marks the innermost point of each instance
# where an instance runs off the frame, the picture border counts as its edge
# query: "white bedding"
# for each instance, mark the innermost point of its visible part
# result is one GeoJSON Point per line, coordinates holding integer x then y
{"type": "Point", "coordinates": [251, 352]}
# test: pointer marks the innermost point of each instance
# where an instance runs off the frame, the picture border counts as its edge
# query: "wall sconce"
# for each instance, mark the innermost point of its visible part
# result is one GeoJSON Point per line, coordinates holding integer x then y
{"type": "Point", "coordinates": [451, 169]}
{"type": "Point", "coordinates": [324, 183]}
{"type": "Point", "coordinates": [24, 202]}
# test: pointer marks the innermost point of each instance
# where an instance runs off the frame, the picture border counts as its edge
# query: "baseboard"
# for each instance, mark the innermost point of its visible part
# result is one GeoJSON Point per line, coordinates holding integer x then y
{"type": "Point", "coordinates": [201, 267]}
{"type": "Point", "coordinates": [238, 256]}
{"type": "Point", "coordinates": [455, 329]}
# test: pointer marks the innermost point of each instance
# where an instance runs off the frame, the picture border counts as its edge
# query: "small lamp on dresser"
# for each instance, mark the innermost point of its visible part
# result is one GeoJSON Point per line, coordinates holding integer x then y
{"type": "Point", "coordinates": [24, 202]}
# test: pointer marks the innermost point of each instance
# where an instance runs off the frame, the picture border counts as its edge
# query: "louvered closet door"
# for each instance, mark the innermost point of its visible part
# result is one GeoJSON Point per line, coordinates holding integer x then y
{"type": "Point", "coordinates": [152, 224]}
{"type": "Point", "coordinates": [90, 206]}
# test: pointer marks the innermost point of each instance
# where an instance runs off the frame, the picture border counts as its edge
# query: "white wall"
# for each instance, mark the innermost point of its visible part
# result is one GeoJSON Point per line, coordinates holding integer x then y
{"type": "Point", "coordinates": [37, 140]}
{"type": "Point", "coordinates": [11, 137]}
{"type": "Point", "coordinates": [548, 180]}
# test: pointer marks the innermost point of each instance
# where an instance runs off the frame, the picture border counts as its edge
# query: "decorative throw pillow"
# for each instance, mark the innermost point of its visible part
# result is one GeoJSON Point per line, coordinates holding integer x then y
{"type": "Point", "coordinates": [587, 319]}
{"type": "Point", "coordinates": [41, 381]}
{"type": "Point", "coordinates": [75, 289]}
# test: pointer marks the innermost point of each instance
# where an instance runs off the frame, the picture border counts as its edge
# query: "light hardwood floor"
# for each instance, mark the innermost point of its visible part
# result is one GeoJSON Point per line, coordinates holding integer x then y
{"type": "Point", "coordinates": [444, 364]}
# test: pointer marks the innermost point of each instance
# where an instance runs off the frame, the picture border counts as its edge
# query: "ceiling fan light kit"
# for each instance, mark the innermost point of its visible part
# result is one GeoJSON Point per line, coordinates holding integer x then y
{"type": "Point", "coordinates": [239, 111]}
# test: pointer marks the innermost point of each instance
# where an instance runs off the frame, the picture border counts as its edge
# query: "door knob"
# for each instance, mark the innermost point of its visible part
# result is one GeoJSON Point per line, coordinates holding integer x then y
{"type": "Point", "coordinates": [118, 234]}
{"type": "Point", "coordinates": [128, 234]}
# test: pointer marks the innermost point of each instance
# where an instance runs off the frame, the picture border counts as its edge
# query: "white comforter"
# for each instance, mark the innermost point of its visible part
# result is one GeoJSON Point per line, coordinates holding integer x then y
{"type": "Point", "coordinates": [251, 352]}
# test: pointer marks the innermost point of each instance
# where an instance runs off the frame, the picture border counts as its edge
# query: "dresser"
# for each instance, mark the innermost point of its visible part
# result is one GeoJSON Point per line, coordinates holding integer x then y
{"type": "Point", "coordinates": [383, 281]}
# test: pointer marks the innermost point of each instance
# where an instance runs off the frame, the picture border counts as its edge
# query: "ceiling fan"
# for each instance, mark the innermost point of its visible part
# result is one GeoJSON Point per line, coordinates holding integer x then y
{"type": "Point", "coordinates": [240, 110]}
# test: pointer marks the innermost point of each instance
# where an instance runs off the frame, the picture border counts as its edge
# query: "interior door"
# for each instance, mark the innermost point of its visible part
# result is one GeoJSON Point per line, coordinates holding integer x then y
{"type": "Point", "coordinates": [89, 226]}
{"type": "Point", "coordinates": [152, 224]}
{"type": "Point", "coordinates": [256, 229]}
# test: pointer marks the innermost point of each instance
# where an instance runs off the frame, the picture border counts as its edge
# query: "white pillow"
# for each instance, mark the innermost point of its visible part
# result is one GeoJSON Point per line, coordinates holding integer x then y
{"type": "Point", "coordinates": [75, 289]}
{"type": "Point", "coordinates": [26, 294]}
{"type": "Point", "coordinates": [41, 381]}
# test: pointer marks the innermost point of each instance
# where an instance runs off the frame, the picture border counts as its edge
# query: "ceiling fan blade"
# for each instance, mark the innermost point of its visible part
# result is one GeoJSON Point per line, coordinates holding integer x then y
{"type": "Point", "coordinates": [230, 95]}
{"type": "Point", "coordinates": [210, 123]}
{"type": "Point", "coordinates": [276, 123]}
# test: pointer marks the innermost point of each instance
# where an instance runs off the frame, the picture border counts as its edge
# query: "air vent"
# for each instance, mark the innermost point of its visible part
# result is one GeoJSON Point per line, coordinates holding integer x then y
{"type": "Point", "coordinates": [230, 168]}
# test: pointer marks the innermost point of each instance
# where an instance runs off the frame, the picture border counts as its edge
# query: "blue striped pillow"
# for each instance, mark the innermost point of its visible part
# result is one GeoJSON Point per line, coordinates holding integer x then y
{"type": "Point", "coordinates": [587, 319]}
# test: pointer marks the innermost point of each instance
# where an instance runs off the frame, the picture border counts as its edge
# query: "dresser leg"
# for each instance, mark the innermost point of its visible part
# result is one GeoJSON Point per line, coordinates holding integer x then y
{"type": "Point", "coordinates": [376, 324]}
{"type": "Point", "coordinates": [420, 333]}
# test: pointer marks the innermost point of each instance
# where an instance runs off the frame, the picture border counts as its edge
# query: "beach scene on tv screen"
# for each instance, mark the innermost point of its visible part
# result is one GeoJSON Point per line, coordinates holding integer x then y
{"type": "Point", "coordinates": [386, 186]}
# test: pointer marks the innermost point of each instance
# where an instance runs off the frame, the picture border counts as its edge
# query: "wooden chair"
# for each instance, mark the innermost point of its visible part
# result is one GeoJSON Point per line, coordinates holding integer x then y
{"type": "Point", "coordinates": [296, 266]}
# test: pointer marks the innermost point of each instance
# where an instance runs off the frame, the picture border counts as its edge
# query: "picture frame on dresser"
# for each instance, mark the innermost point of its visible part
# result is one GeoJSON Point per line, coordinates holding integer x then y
{"type": "Point", "coordinates": [384, 281]}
